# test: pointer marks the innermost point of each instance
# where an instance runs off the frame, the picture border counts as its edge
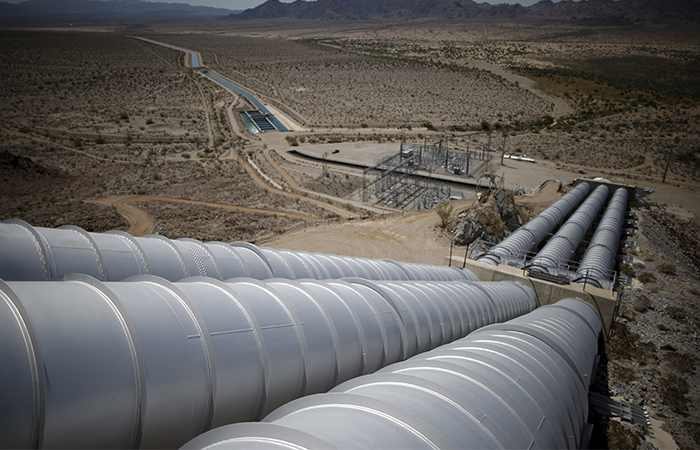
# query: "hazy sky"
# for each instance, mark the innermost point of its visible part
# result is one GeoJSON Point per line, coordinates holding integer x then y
{"type": "Point", "coordinates": [245, 4]}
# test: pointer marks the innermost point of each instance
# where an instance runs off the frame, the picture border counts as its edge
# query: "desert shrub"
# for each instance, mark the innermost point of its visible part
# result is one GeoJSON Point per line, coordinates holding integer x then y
{"type": "Point", "coordinates": [349, 207]}
{"type": "Point", "coordinates": [444, 211]}
{"type": "Point", "coordinates": [642, 304]}
{"type": "Point", "coordinates": [677, 314]}
{"type": "Point", "coordinates": [100, 141]}
{"type": "Point", "coordinates": [662, 327]}
{"type": "Point", "coordinates": [673, 392]}
{"type": "Point", "coordinates": [623, 373]}
{"type": "Point", "coordinates": [694, 291]}
{"type": "Point", "coordinates": [668, 348]}
{"type": "Point", "coordinates": [668, 269]}
{"type": "Point", "coordinates": [364, 125]}
{"type": "Point", "coordinates": [680, 362]}
{"type": "Point", "coordinates": [186, 155]}
{"type": "Point", "coordinates": [627, 270]}
{"type": "Point", "coordinates": [693, 429]}
{"type": "Point", "coordinates": [619, 437]}
{"type": "Point", "coordinates": [149, 121]}
{"type": "Point", "coordinates": [625, 345]}
{"type": "Point", "coordinates": [646, 277]}
{"type": "Point", "coordinates": [292, 140]}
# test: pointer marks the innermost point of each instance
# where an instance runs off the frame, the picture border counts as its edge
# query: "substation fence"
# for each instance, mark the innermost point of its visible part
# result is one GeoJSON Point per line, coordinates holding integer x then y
{"type": "Point", "coordinates": [394, 184]}
{"type": "Point", "coordinates": [435, 156]}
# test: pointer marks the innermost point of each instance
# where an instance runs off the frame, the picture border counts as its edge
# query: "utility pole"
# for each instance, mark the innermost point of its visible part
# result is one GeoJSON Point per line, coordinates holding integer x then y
{"type": "Point", "coordinates": [325, 166]}
{"type": "Point", "coordinates": [668, 161]}
{"type": "Point", "coordinates": [503, 152]}
{"type": "Point", "coordinates": [447, 154]}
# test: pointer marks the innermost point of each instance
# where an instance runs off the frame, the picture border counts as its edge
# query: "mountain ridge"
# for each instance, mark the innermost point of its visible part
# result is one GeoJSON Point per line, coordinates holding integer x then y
{"type": "Point", "coordinates": [586, 12]}
{"type": "Point", "coordinates": [78, 11]}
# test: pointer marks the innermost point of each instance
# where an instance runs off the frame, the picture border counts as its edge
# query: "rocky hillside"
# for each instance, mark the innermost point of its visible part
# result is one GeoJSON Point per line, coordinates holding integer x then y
{"type": "Point", "coordinates": [488, 220]}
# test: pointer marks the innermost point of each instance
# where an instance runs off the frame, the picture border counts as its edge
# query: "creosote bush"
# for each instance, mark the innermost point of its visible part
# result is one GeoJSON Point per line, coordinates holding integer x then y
{"type": "Point", "coordinates": [625, 345]}
{"type": "Point", "coordinates": [668, 269]}
{"type": "Point", "coordinates": [680, 362]}
{"type": "Point", "coordinates": [677, 314]}
{"type": "Point", "coordinates": [623, 373]}
{"type": "Point", "coordinates": [673, 391]}
{"type": "Point", "coordinates": [627, 270]}
{"type": "Point", "coordinates": [642, 304]}
{"type": "Point", "coordinates": [693, 429]}
{"type": "Point", "coordinates": [646, 277]}
{"type": "Point", "coordinates": [619, 437]}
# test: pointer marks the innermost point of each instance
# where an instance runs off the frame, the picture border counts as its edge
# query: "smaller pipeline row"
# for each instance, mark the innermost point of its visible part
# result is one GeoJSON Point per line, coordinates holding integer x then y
{"type": "Point", "coordinates": [599, 258]}
{"type": "Point", "coordinates": [519, 384]}
{"type": "Point", "coordinates": [528, 237]}
{"type": "Point", "coordinates": [146, 363]}
{"type": "Point", "coordinates": [563, 244]}
{"type": "Point", "coordinates": [30, 253]}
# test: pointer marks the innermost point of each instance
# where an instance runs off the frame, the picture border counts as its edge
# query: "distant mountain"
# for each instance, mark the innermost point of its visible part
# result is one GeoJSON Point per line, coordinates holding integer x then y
{"type": "Point", "coordinates": [81, 11]}
{"type": "Point", "coordinates": [587, 12]}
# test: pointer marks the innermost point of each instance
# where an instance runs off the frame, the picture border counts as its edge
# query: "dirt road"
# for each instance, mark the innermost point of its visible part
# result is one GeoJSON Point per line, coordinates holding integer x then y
{"type": "Point", "coordinates": [411, 237]}
{"type": "Point", "coordinates": [142, 223]}
{"type": "Point", "coordinates": [325, 205]}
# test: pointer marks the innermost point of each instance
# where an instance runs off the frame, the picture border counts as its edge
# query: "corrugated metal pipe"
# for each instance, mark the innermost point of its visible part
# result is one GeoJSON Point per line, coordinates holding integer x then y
{"type": "Point", "coordinates": [529, 236]}
{"type": "Point", "coordinates": [147, 363]}
{"type": "Point", "coordinates": [561, 246]}
{"type": "Point", "coordinates": [30, 253]}
{"type": "Point", "coordinates": [600, 255]}
{"type": "Point", "coordinates": [520, 384]}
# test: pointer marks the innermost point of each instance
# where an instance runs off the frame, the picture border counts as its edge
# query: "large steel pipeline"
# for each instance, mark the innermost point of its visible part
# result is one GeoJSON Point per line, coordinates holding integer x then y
{"type": "Point", "coordinates": [600, 255]}
{"type": "Point", "coordinates": [30, 253]}
{"type": "Point", "coordinates": [563, 244]}
{"type": "Point", "coordinates": [528, 237]}
{"type": "Point", "coordinates": [519, 384]}
{"type": "Point", "coordinates": [147, 363]}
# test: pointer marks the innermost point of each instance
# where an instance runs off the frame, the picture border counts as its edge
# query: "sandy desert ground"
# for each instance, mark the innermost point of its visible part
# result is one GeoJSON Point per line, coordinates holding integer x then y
{"type": "Point", "coordinates": [104, 131]}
